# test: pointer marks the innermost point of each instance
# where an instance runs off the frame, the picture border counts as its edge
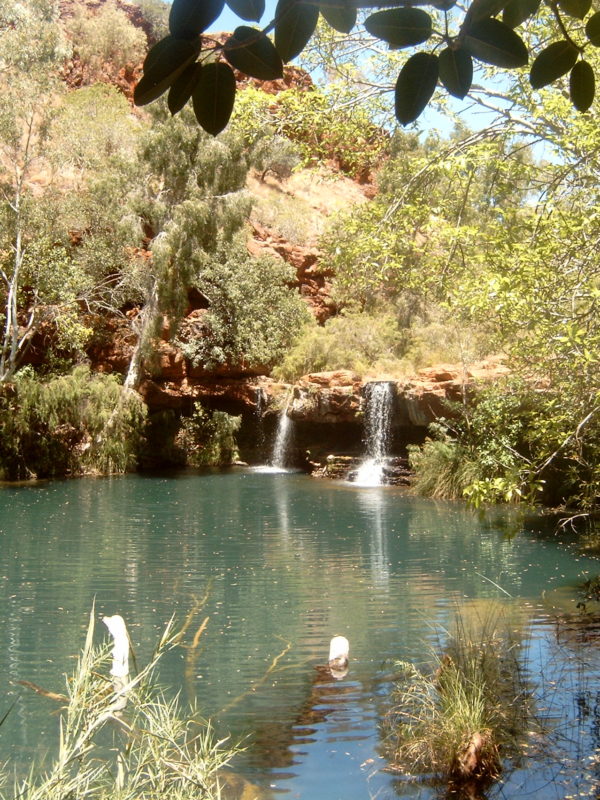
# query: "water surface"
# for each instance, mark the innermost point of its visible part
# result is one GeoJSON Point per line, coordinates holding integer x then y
{"type": "Point", "coordinates": [288, 562]}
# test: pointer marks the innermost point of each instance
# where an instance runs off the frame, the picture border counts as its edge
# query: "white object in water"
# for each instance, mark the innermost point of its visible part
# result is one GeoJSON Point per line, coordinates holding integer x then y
{"type": "Point", "coordinates": [339, 650]}
{"type": "Point", "coordinates": [120, 652]}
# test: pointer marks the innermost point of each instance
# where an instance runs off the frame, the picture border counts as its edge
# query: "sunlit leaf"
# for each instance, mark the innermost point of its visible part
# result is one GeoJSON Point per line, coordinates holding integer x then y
{"type": "Point", "coordinates": [189, 18]}
{"type": "Point", "coordinates": [592, 29]}
{"type": "Point", "coordinates": [163, 65]}
{"type": "Point", "coordinates": [253, 53]}
{"type": "Point", "coordinates": [400, 27]}
{"type": "Point", "coordinates": [517, 11]}
{"type": "Point", "coordinates": [575, 8]}
{"type": "Point", "coordinates": [182, 88]}
{"type": "Point", "coordinates": [341, 17]}
{"type": "Point", "coordinates": [251, 10]}
{"type": "Point", "coordinates": [495, 43]}
{"type": "Point", "coordinates": [415, 85]}
{"type": "Point", "coordinates": [214, 96]}
{"type": "Point", "coordinates": [553, 62]}
{"type": "Point", "coordinates": [582, 85]}
{"type": "Point", "coordinates": [456, 71]}
{"type": "Point", "coordinates": [295, 23]}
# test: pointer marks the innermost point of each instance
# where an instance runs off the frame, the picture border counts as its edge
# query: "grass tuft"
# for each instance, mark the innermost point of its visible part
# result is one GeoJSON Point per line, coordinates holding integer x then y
{"type": "Point", "coordinates": [458, 721]}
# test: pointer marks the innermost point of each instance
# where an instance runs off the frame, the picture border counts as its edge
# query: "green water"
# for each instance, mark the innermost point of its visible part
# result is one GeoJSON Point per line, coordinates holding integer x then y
{"type": "Point", "coordinates": [290, 561]}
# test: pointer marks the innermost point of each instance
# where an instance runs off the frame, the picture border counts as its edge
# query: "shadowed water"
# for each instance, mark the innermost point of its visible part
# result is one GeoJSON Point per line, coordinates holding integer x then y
{"type": "Point", "coordinates": [289, 561]}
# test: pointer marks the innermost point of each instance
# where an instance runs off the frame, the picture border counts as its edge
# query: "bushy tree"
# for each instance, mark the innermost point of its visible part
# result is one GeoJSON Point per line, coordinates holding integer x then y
{"type": "Point", "coordinates": [196, 205]}
{"type": "Point", "coordinates": [253, 314]}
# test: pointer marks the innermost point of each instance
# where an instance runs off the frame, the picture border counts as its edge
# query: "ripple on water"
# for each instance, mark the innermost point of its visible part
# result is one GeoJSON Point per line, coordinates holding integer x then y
{"type": "Point", "coordinates": [288, 562]}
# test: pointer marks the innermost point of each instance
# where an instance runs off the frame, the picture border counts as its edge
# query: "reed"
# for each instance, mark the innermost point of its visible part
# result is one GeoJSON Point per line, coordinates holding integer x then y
{"type": "Point", "coordinates": [151, 750]}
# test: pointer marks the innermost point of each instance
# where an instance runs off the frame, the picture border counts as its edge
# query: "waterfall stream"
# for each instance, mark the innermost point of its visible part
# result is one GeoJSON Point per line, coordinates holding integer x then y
{"type": "Point", "coordinates": [379, 401]}
{"type": "Point", "coordinates": [280, 455]}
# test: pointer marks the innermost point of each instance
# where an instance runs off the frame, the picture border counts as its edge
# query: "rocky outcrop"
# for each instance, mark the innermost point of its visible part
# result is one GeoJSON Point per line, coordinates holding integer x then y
{"type": "Point", "coordinates": [330, 397]}
{"type": "Point", "coordinates": [419, 399]}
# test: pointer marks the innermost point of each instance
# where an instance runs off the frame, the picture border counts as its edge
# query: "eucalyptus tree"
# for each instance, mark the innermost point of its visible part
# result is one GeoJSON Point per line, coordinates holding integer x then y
{"type": "Point", "coordinates": [195, 207]}
{"type": "Point", "coordinates": [67, 166]}
{"type": "Point", "coordinates": [32, 47]}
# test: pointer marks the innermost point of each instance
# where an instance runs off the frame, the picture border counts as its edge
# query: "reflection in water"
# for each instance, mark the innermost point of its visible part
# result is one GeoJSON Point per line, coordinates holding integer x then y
{"type": "Point", "coordinates": [373, 508]}
{"type": "Point", "coordinates": [289, 561]}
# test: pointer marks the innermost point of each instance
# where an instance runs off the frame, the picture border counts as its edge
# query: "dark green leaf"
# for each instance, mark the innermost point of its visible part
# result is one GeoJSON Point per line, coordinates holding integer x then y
{"type": "Point", "coordinates": [251, 10]}
{"type": "Point", "coordinates": [189, 18]}
{"type": "Point", "coordinates": [495, 43]}
{"type": "Point", "coordinates": [295, 23]}
{"type": "Point", "coordinates": [592, 29]}
{"type": "Point", "coordinates": [341, 17]}
{"type": "Point", "coordinates": [483, 9]}
{"type": "Point", "coordinates": [553, 62]}
{"type": "Point", "coordinates": [575, 8]}
{"type": "Point", "coordinates": [163, 65]}
{"type": "Point", "coordinates": [443, 5]}
{"type": "Point", "coordinates": [181, 90]}
{"type": "Point", "coordinates": [400, 27]}
{"type": "Point", "coordinates": [214, 96]}
{"type": "Point", "coordinates": [456, 71]}
{"type": "Point", "coordinates": [582, 85]}
{"type": "Point", "coordinates": [415, 85]}
{"type": "Point", "coordinates": [517, 11]}
{"type": "Point", "coordinates": [254, 54]}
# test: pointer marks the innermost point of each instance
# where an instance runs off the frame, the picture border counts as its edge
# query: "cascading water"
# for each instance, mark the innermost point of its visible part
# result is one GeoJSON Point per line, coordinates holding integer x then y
{"type": "Point", "coordinates": [379, 403]}
{"type": "Point", "coordinates": [280, 455]}
{"type": "Point", "coordinates": [259, 410]}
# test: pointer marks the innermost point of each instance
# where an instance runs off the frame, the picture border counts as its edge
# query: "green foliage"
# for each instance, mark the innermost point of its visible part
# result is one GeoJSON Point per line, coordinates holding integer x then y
{"type": "Point", "coordinates": [476, 32]}
{"type": "Point", "coordinates": [275, 154]}
{"type": "Point", "coordinates": [74, 424]}
{"type": "Point", "coordinates": [253, 316]}
{"type": "Point", "coordinates": [106, 38]}
{"type": "Point", "coordinates": [455, 225]}
{"type": "Point", "coordinates": [320, 125]}
{"type": "Point", "coordinates": [156, 15]}
{"type": "Point", "coordinates": [357, 341]}
{"type": "Point", "coordinates": [443, 467]}
{"type": "Point", "coordinates": [506, 445]}
{"type": "Point", "coordinates": [463, 718]}
{"type": "Point", "coordinates": [91, 129]}
{"type": "Point", "coordinates": [156, 747]}
{"type": "Point", "coordinates": [208, 437]}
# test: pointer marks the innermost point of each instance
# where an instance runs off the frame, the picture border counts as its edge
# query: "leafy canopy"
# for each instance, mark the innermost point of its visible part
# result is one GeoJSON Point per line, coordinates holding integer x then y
{"type": "Point", "coordinates": [451, 41]}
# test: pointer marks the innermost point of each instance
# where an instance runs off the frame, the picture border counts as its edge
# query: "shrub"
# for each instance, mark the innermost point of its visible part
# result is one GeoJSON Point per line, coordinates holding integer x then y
{"type": "Point", "coordinates": [73, 424]}
{"type": "Point", "coordinates": [443, 467]}
{"type": "Point", "coordinates": [107, 37]}
{"type": "Point", "coordinates": [350, 341]}
{"type": "Point", "coordinates": [488, 455]}
{"type": "Point", "coordinates": [208, 437]}
{"type": "Point", "coordinates": [319, 123]}
{"type": "Point", "coordinates": [158, 750]}
{"type": "Point", "coordinates": [253, 316]}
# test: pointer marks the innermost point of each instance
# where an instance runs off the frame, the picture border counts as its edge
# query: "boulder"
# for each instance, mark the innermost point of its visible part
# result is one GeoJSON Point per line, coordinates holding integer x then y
{"type": "Point", "coordinates": [327, 397]}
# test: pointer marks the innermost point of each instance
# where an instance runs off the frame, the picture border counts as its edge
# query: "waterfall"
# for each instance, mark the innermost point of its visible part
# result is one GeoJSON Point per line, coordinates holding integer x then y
{"type": "Point", "coordinates": [259, 410]}
{"type": "Point", "coordinates": [379, 404]}
{"type": "Point", "coordinates": [282, 443]}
